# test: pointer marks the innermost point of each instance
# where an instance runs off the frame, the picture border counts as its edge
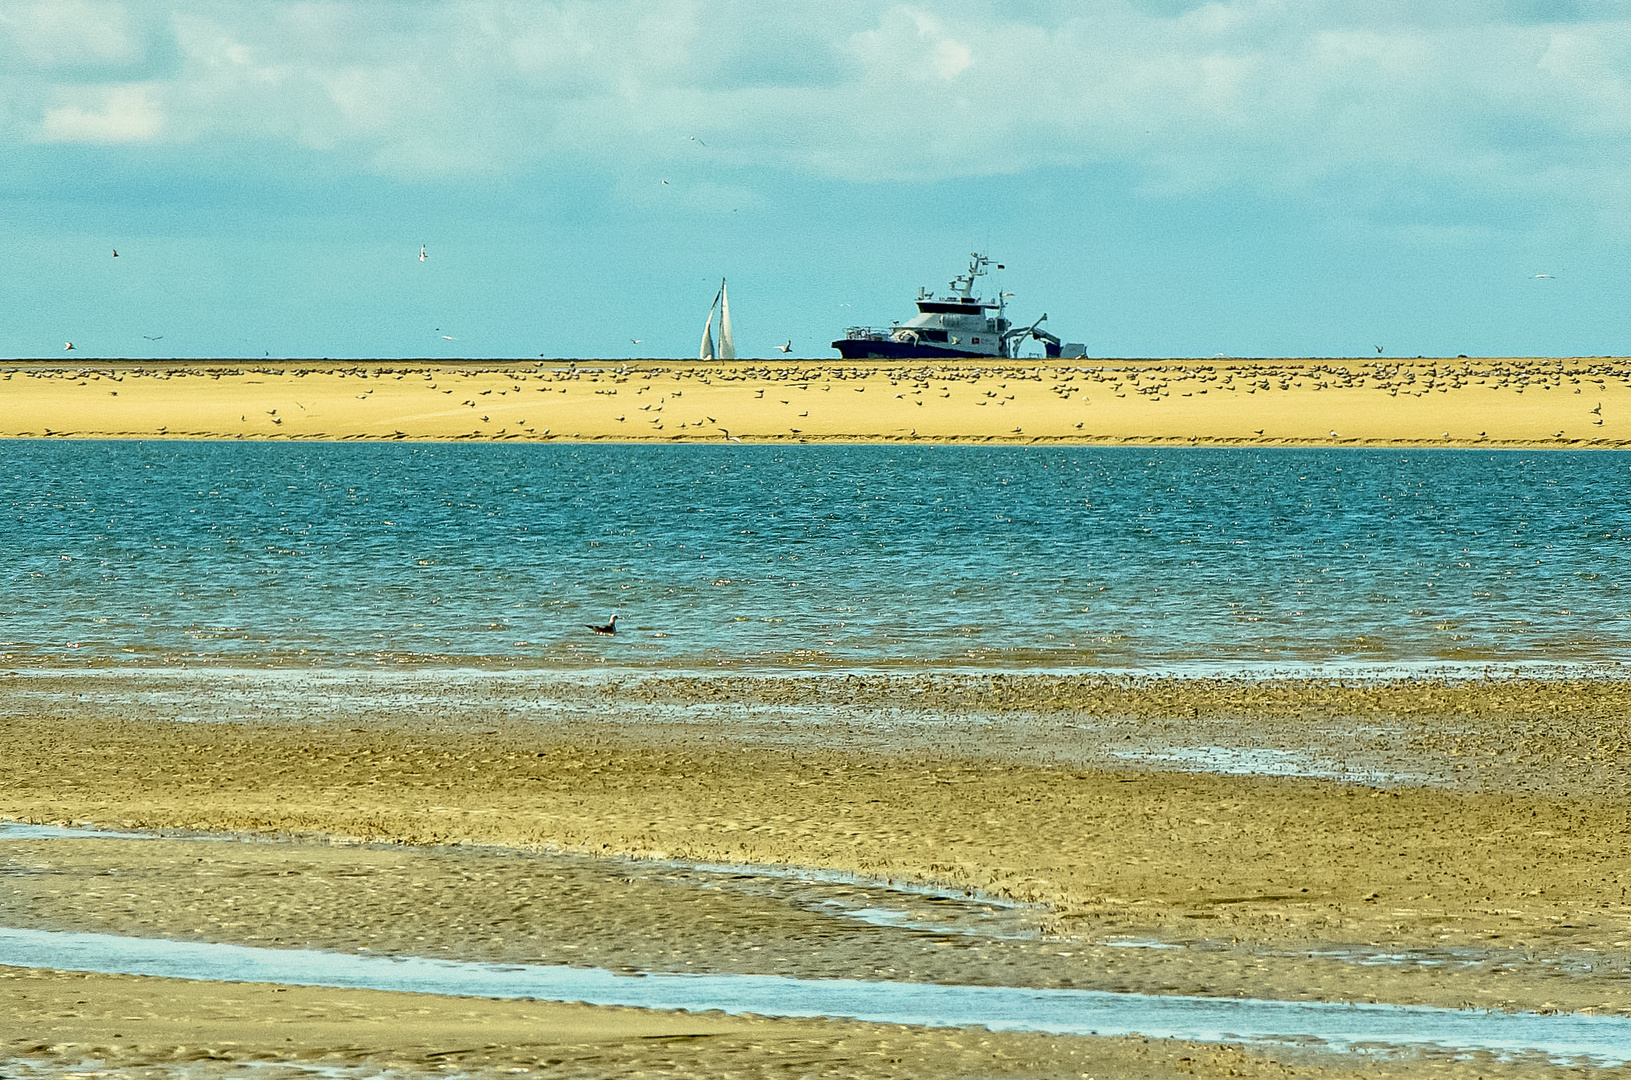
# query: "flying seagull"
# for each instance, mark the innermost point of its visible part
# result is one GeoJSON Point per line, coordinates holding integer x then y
{"type": "Point", "coordinates": [150, 337]}
{"type": "Point", "coordinates": [698, 141]}
{"type": "Point", "coordinates": [634, 341]}
{"type": "Point", "coordinates": [786, 348]}
{"type": "Point", "coordinates": [608, 628]}
{"type": "Point", "coordinates": [67, 345]}
{"type": "Point", "coordinates": [115, 253]}
{"type": "Point", "coordinates": [422, 255]}
{"type": "Point", "coordinates": [1378, 350]}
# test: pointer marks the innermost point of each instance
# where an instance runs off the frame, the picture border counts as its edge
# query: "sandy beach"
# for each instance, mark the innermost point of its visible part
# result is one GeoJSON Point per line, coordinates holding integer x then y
{"type": "Point", "coordinates": [1467, 849]}
{"type": "Point", "coordinates": [1379, 401]}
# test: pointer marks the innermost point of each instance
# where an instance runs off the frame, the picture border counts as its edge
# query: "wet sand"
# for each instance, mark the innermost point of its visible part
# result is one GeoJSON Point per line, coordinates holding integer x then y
{"type": "Point", "coordinates": [1475, 854]}
{"type": "Point", "coordinates": [1516, 402]}
{"type": "Point", "coordinates": [182, 1028]}
{"type": "Point", "coordinates": [86, 1025]}
{"type": "Point", "coordinates": [1493, 874]}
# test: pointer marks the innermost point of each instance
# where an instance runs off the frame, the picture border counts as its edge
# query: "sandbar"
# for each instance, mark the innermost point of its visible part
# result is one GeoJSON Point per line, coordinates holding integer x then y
{"type": "Point", "coordinates": [1506, 402]}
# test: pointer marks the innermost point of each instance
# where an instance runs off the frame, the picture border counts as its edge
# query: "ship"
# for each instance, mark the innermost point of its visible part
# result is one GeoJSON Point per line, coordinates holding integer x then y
{"type": "Point", "coordinates": [958, 326]}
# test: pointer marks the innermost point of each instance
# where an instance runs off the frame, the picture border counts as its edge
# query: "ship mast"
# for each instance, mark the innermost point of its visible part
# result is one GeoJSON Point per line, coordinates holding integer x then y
{"type": "Point", "coordinates": [963, 284]}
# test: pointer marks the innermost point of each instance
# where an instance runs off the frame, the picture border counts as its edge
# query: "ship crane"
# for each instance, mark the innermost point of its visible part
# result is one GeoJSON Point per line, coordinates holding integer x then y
{"type": "Point", "coordinates": [1012, 339]}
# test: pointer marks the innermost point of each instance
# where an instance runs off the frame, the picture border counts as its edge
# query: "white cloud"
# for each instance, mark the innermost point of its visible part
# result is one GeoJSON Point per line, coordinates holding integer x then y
{"type": "Point", "coordinates": [1265, 93]}
{"type": "Point", "coordinates": [113, 114]}
{"type": "Point", "coordinates": [52, 33]}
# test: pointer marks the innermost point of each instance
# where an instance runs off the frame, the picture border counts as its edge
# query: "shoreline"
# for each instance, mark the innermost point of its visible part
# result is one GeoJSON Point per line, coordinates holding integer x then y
{"type": "Point", "coordinates": [1446, 673]}
{"type": "Point", "coordinates": [1515, 403]}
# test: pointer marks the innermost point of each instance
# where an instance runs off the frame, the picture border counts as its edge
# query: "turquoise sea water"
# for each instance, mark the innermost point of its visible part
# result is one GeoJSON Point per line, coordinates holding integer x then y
{"type": "Point", "coordinates": [815, 556]}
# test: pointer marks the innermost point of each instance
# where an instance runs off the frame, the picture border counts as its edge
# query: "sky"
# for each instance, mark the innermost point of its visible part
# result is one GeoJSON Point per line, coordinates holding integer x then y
{"type": "Point", "coordinates": [1161, 178]}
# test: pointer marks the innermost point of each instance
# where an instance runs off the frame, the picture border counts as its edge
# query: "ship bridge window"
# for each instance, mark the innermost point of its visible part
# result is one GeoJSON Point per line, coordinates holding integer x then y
{"type": "Point", "coordinates": [936, 307]}
{"type": "Point", "coordinates": [931, 335]}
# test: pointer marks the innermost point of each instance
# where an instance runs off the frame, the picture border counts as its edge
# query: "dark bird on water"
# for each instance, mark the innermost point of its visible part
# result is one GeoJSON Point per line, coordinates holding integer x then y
{"type": "Point", "coordinates": [608, 628]}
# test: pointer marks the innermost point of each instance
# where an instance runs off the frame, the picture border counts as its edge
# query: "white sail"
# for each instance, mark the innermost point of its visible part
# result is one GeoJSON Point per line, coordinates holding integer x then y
{"type": "Point", "coordinates": [706, 352]}
{"type": "Point", "coordinates": [727, 344]}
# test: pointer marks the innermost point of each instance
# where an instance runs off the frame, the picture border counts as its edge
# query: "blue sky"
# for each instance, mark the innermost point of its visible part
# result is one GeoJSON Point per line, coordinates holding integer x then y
{"type": "Point", "coordinates": [1162, 178]}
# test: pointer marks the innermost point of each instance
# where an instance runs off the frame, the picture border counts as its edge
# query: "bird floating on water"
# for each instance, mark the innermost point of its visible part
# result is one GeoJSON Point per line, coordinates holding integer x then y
{"type": "Point", "coordinates": [607, 628]}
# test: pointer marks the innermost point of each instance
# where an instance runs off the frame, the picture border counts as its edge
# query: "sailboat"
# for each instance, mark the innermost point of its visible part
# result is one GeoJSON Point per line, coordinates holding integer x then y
{"type": "Point", "coordinates": [727, 344]}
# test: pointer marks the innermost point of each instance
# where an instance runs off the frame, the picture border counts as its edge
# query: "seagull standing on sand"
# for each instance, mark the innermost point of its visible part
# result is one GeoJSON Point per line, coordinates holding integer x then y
{"type": "Point", "coordinates": [607, 628]}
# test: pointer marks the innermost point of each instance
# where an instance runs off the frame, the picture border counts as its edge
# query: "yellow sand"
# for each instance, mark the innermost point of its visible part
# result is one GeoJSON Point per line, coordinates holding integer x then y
{"type": "Point", "coordinates": [1518, 862]}
{"type": "Point", "coordinates": [74, 1025]}
{"type": "Point", "coordinates": [1530, 862]}
{"type": "Point", "coordinates": [1380, 401]}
